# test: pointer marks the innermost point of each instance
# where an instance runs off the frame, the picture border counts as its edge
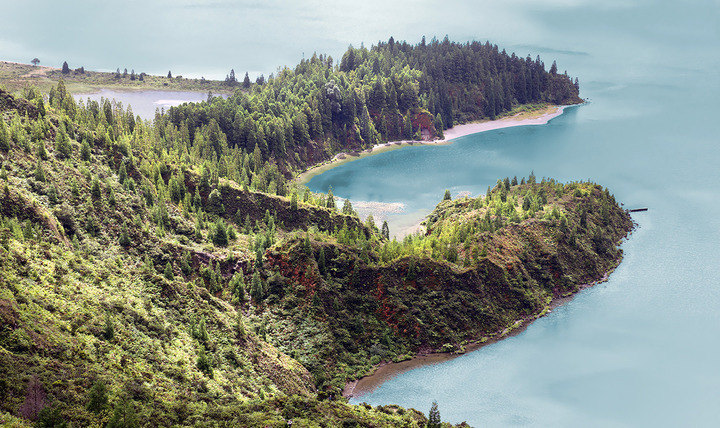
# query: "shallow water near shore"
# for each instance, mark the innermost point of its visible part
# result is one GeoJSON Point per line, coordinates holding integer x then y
{"type": "Point", "coordinates": [640, 349]}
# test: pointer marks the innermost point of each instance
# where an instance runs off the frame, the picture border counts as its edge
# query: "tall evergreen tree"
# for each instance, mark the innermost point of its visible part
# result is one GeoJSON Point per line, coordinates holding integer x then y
{"type": "Point", "coordinates": [97, 397]}
{"type": "Point", "coordinates": [434, 420]}
{"type": "Point", "coordinates": [4, 136]}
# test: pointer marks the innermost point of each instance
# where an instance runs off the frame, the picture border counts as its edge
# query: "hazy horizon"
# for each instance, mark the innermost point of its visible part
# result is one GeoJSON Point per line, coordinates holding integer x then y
{"type": "Point", "coordinates": [197, 38]}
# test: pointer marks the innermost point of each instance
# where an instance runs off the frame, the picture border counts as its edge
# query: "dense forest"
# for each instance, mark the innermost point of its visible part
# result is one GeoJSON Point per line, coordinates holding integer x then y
{"type": "Point", "coordinates": [141, 286]}
{"type": "Point", "coordinates": [392, 91]}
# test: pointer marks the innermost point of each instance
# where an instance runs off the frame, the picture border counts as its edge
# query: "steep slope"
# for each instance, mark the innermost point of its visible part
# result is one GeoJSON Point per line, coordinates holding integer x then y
{"type": "Point", "coordinates": [115, 299]}
{"type": "Point", "coordinates": [139, 289]}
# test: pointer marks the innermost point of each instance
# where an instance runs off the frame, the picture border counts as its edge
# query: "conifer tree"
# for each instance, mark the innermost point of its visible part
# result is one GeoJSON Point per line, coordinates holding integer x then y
{"type": "Point", "coordinates": [347, 207]}
{"type": "Point", "coordinates": [109, 331]}
{"type": "Point", "coordinates": [321, 261]}
{"type": "Point", "coordinates": [95, 190]}
{"type": "Point", "coordinates": [85, 151]}
{"type": "Point", "coordinates": [434, 420]}
{"type": "Point", "coordinates": [438, 123]}
{"type": "Point", "coordinates": [97, 397]}
{"type": "Point", "coordinates": [169, 271]}
{"type": "Point", "coordinates": [330, 201]}
{"type": "Point", "coordinates": [124, 238]}
{"type": "Point", "coordinates": [4, 136]}
{"type": "Point", "coordinates": [41, 152]}
{"type": "Point", "coordinates": [407, 130]}
{"type": "Point", "coordinates": [237, 286]}
{"type": "Point", "coordinates": [124, 416]}
{"type": "Point", "coordinates": [256, 291]}
{"type": "Point", "coordinates": [122, 173]}
{"type": "Point", "coordinates": [220, 237]}
{"type": "Point", "coordinates": [39, 172]}
{"type": "Point", "coordinates": [385, 230]}
{"type": "Point", "coordinates": [63, 148]}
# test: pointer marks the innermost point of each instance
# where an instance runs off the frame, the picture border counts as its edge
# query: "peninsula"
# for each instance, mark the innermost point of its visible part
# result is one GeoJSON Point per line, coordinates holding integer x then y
{"type": "Point", "coordinates": [170, 273]}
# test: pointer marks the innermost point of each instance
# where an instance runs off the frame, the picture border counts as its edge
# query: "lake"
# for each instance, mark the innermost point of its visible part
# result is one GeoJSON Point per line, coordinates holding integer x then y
{"type": "Point", "coordinates": [642, 348]}
{"type": "Point", "coordinates": [145, 103]}
{"type": "Point", "coordinates": [638, 350]}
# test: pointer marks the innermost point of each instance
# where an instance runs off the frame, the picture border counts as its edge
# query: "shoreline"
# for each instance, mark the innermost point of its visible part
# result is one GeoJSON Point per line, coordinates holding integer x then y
{"type": "Point", "coordinates": [387, 370]}
{"type": "Point", "coordinates": [540, 117]}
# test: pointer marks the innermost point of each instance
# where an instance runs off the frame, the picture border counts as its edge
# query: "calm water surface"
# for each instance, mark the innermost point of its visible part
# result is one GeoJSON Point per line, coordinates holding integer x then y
{"type": "Point", "coordinates": [641, 349]}
{"type": "Point", "coordinates": [146, 103]}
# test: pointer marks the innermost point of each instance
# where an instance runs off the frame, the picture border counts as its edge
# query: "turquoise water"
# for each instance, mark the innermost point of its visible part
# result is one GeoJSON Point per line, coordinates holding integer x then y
{"type": "Point", "coordinates": [638, 350]}
{"type": "Point", "coordinates": [641, 349]}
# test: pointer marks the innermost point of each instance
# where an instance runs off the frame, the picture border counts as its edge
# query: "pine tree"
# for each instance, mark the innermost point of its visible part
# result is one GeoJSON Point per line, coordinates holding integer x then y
{"type": "Point", "coordinates": [330, 201]}
{"type": "Point", "coordinates": [124, 238]}
{"type": "Point", "coordinates": [237, 286]}
{"type": "Point", "coordinates": [85, 151]}
{"type": "Point", "coordinates": [407, 130]}
{"type": "Point", "coordinates": [434, 420]}
{"type": "Point", "coordinates": [202, 334]}
{"type": "Point", "coordinates": [95, 190]}
{"type": "Point", "coordinates": [220, 237]}
{"type": "Point", "coordinates": [97, 397]}
{"type": "Point", "coordinates": [39, 172]}
{"type": "Point", "coordinates": [447, 196]}
{"type": "Point", "coordinates": [41, 107]}
{"type": "Point", "coordinates": [53, 195]}
{"type": "Point", "coordinates": [438, 123]}
{"type": "Point", "coordinates": [321, 261]}
{"type": "Point", "coordinates": [122, 173]}
{"type": "Point", "coordinates": [63, 148]}
{"type": "Point", "coordinates": [246, 80]}
{"type": "Point", "coordinates": [169, 75]}
{"type": "Point", "coordinates": [169, 271]}
{"type": "Point", "coordinates": [4, 136]}
{"type": "Point", "coordinates": [256, 290]}
{"type": "Point", "coordinates": [109, 331]}
{"type": "Point", "coordinates": [41, 152]}
{"type": "Point", "coordinates": [348, 208]}
{"type": "Point", "coordinates": [385, 230]}
{"type": "Point", "coordinates": [65, 68]}
{"type": "Point", "coordinates": [203, 363]}
{"type": "Point", "coordinates": [124, 416]}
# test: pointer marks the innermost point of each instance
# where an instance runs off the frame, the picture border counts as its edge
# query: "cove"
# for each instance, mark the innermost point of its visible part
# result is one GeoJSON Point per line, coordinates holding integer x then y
{"type": "Point", "coordinates": [639, 349]}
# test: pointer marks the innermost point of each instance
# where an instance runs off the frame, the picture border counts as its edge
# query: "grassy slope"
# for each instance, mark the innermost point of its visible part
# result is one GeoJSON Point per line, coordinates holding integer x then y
{"type": "Point", "coordinates": [15, 77]}
{"type": "Point", "coordinates": [442, 291]}
{"type": "Point", "coordinates": [67, 283]}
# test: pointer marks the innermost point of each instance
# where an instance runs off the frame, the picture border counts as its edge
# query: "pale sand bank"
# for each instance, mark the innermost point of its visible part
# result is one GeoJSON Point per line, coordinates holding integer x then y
{"type": "Point", "coordinates": [540, 117]}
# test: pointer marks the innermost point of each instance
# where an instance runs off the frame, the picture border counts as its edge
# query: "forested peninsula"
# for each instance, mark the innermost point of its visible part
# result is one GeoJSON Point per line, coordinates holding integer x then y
{"type": "Point", "coordinates": [392, 91]}
{"type": "Point", "coordinates": [167, 272]}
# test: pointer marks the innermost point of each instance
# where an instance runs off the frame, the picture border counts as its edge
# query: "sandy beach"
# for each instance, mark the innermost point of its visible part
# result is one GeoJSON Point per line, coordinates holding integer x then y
{"type": "Point", "coordinates": [540, 117]}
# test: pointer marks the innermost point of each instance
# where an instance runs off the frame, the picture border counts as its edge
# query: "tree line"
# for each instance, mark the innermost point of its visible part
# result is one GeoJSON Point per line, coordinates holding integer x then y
{"type": "Point", "coordinates": [391, 91]}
